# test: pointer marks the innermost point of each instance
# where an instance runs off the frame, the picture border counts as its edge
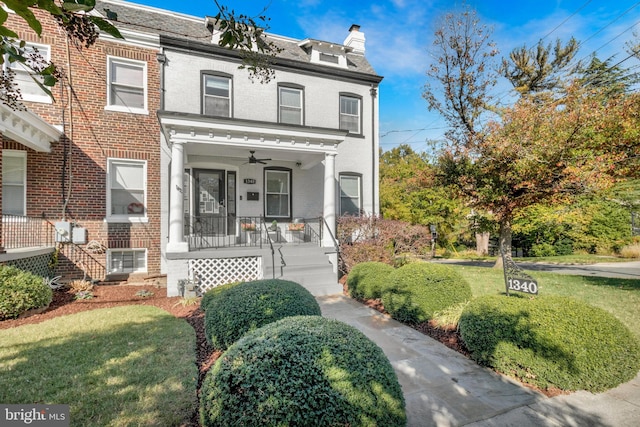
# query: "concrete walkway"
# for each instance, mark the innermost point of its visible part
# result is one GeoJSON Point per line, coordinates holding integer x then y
{"type": "Point", "coordinates": [444, 388]}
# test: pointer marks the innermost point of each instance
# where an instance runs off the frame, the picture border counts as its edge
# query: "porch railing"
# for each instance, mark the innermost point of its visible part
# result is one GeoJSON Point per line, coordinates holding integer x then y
{"type": "Point", "coordinates": [20, 232]}
{"type": "Point", "coordinates": [249, 231]}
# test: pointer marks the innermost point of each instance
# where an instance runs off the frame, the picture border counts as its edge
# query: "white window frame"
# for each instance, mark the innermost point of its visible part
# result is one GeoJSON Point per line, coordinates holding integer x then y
{"type": "Point", "coordinates": [135, 269]}
{"type": "Point", "coordinates": [281, 105]}
{"type": "Point", "coordinates": [18, 68]}
{"type": "Point", "coordinates": [204, 94]}
{"type": "Point", "coordinates": [287, 193]}
{"type": "Point", "coordinates": [126, 217]}
{"type": "Point", "coordinates": [358, 116]}
{"type": "Point", "coordinates": [123, 108]}
{"type": "Point", "coordinates": [359, 197]}
{"type": "Point", "coordinates": [19, 155]}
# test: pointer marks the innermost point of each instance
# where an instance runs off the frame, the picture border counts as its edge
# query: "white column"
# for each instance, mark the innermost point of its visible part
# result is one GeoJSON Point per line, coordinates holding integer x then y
{"type": "Point", "coordinates": [176, 209]}
{"type": "Point", "coordinates": [329, 200]}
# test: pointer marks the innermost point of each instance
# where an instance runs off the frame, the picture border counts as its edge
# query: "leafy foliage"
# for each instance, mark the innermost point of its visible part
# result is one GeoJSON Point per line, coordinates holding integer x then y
{"type": "Point", "coordinates": [367, 280]}
{"type": "Point", "coordinates": [21, 291]}
{"type": "Point", "coordinates": [417, 291]}
{"type": "Point", "coordinates": [303, 370]}
{"type": "Point", "coordinates": [236, 310]}
{"type": "Point", "coordinates": [550, 341]}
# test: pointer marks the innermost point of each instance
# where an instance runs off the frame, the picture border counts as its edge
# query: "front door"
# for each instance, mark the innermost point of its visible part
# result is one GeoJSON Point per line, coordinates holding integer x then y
{"type": "Point", "coordinates": [209, 198]}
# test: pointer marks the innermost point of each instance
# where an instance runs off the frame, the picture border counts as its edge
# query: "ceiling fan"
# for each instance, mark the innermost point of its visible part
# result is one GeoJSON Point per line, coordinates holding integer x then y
{"type": "Point", "coordinates": [253, 160]}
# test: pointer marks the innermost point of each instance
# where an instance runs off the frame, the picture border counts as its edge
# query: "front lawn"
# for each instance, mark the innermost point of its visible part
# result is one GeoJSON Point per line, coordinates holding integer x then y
{"type": "Point", "coordinates": [122, 366]}
{"type": "Point", "coordinates": [620, 297]}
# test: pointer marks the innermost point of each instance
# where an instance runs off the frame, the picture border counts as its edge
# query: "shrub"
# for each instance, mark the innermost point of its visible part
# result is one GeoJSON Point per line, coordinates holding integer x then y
{"type": "Point", "coordinates": [542, 250]}
{"type": "Point", "coordinates": [630, 251]}
{"type": "Point", "coordinates": [236, 310]}
{"type": "Point", "coordinates": [210, 294]}
{"type": "Point", "coordinates": [550, 341]}
{"type": "Point", "coordinates": [76, 286]}
{"type": "Point", "coordinates": [416, 291]}
{"type": "Point", "coordinates": [305, 371]}
{"type": "Point", "coordinates": [21, 291]}
{"type": "Point", "coordinates": [367, 279]}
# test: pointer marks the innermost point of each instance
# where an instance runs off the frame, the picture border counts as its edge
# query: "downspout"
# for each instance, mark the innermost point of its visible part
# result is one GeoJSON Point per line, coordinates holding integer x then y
{"type": "Point", "coordinates": [162, 59]}
{"type": "Point", "coordinates": [374, 93]}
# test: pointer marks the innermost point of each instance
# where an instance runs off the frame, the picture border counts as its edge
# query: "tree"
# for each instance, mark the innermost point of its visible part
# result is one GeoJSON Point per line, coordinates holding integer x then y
{"type": "Point", "coordinates": [541, 69]}
{"type": "Point", "coordinates": [74, 16]}
{"type": "Point", "coordinates": [615, 79]}
{"type": "Point", "coordinates": [461, 76]}
{"type": "Point", "coordinates": [548, 152]}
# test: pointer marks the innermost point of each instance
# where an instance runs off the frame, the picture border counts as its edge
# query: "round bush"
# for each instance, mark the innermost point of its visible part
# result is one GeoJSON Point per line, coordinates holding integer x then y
{"type": "Point", "coordinates": [367, 279]}
{"type": "Point", "coordinates": [303, 371]}
{"type": "Point", "coordinates": [209, 295]}
{"type": "Point", "coordinates": [232, 312]}
{"type": "Point", "coordinates": [21, 291]}
{"type": "Point", "coordinates": [550, 341]}
{"type": "Point", "coordinates": [418, 290]}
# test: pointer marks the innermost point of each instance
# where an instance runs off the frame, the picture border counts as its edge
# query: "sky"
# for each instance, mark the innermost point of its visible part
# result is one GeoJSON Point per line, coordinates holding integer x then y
{"type": "Point", "coordinates": [399, 38]}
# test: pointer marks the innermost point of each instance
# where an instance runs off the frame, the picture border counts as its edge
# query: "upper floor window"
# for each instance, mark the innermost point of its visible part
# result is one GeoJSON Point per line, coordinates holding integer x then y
{"type": "Point", "coordinates": [126, 189]}
{"type": "Point", "coordinates": [277, 193]}
{"type": "Point", "coordinates": [350, 114]}
{"type": "Point", "coordinates": [14, 182]}
{"type": "Point", "coordinates": [290, 105]}
{"type": "Point", "coordinates": [24, 77]}
{"type": "Point", "coordinates": [216, 94]}
{"type": "Point", "coordinates": [127, 85]}
{"type": "Point", "coordinates": [350, 194]}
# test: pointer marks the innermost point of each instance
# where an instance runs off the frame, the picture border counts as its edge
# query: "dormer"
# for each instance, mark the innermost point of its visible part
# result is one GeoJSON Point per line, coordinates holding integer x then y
{"type": "Point", "coordinates": [326, 53]}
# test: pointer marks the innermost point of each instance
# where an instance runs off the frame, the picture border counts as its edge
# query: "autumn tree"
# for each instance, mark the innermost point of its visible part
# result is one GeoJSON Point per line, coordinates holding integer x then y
{"type": "Point", "coordinates": [239, 31]}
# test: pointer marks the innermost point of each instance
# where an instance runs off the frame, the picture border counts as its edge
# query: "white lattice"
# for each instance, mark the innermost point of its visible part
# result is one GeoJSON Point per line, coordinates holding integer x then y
{"type": "Point", "coordinates": [212, 272]}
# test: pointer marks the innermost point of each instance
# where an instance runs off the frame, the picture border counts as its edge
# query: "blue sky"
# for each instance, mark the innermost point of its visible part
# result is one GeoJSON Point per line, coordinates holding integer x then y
{"type": "Point", "coordinates": [399, 35]}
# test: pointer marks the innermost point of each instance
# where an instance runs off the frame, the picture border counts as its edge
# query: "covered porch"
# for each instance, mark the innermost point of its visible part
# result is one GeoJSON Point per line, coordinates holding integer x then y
{"type": "Point", "coordinates": [245, 186]}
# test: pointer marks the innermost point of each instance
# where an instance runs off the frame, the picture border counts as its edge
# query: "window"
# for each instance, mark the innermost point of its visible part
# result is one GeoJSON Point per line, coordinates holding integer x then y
{"type": "Point", "coordinates": [290, 105]}
{"type": "Point", "coordinates": [277, 193]}
{"type": "Point", "coordinates": [29, 89]}
{"type": "Point", "coordinates": [14, 182]}
{"type": "Point", "coordinates": [216, 95]}
{"type": "Point", "coordinates": [350, 114]}
{"type": "Point", "coordinates": [127, 261]}
{"type": "Point", "coordinates": [350, 194]}
{"type": "Point", "coordinates": [127, 89]}
{"type": "Point", "coordinates": [126, 189]}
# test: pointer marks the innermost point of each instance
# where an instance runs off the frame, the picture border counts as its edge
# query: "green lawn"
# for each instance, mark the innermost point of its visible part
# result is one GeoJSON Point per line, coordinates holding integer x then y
{"type": "Point", "coordinates": [621, 297]}
{"type": "Point", "coordinates": [123, 366]}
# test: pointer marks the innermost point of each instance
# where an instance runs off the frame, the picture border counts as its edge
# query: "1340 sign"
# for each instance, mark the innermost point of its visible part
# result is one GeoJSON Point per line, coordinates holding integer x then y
{"type": "Point", "coordinates": [529, 286]}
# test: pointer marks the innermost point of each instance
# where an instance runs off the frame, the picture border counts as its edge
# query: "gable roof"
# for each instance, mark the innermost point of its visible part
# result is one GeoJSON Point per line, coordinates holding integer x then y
{"type": "Point", "coordinates": [180, 29]}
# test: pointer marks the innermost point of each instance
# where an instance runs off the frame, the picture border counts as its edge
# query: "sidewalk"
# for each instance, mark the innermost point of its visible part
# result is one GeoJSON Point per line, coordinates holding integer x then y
{"type": "Point", "coordinates": [444, 388]}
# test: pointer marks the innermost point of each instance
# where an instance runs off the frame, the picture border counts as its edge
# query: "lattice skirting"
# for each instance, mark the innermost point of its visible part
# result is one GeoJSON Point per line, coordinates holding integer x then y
{"type": "Point", "coordinates": [209, 273]}
{"type": "Point", "coordinates": [38, 265]}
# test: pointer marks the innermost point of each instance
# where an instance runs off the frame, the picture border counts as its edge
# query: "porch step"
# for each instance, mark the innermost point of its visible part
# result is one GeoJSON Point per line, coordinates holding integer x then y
{"type": "Point", "coordinates": [309, 266]}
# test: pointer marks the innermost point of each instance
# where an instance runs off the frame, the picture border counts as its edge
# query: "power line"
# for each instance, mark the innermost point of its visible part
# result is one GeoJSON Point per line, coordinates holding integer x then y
{"type": "Point", "coordinates": [563, 22]}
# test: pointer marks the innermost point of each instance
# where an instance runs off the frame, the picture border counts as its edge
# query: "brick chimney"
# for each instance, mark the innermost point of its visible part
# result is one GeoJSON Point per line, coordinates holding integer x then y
{"type": "Point", "coordinates": [355, 40]}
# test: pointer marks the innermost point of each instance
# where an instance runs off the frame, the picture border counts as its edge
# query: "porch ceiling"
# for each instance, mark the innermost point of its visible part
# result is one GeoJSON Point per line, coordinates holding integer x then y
{"type": "Point", "coordinates": [28, 129]}
{"type": "Point", "coordinates": [233, 139]}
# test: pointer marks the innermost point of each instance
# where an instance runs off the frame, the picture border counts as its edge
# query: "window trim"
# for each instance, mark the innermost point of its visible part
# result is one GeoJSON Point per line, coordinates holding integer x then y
{"type": "Point", "coordinates": [289, 171]}
{"type": "Point", "coordinates": [23, 155]}
{"type": "Point", "coordinates": [145, 86]}
{"type": "Point", "coordinates": [42, 98]}
{"type": "Point", "coordinates": [360, 202]}
{"type": "Point", "coordinates": [125, 218]}
{"type": "Point", "coordinates": [340, 113]}
{"type": "Point", "coordinates": [110, 253]}
{"type": "Point", "coordinates": [299, 88]}
{"type": "Point", "coordinates": [203, 75]}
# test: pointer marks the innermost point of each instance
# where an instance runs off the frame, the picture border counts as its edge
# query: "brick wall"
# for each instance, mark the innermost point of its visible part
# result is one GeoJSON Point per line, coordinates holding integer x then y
{"type": "Point", "coordinates": [76, 167]}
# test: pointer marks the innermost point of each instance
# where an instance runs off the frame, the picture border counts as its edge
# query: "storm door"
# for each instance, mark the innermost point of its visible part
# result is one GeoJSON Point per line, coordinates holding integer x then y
{"type": "Point", "coordinates": [209, 198]}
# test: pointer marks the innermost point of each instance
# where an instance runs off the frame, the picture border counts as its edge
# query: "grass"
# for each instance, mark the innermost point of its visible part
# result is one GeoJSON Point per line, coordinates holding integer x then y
{"type": "Point", "coordinates": [123, 366]}
{"type": "Point", "coordinates": [620, 297]}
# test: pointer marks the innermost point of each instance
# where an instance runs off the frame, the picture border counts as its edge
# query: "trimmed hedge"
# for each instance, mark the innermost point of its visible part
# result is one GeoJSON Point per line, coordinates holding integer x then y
{"type": "Point", "coordinates": [550, 341]}
{"type": "Point", "coordinates": [238, 309]}
{"type": "Point", "coordinates": [210, 294]}
{"type": "Point", "coordinates": [303, 371]}
{"type": "Point", "coordinates": [367, 279]}
{"type": "Point", "coordinates": [418, 290]}
{"type": "Point", "coordinates": [21, 291]}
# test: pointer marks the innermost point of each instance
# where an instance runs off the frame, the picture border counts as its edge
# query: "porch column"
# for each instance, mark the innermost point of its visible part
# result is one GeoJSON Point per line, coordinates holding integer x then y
{"type": "Point", "coordinates": [176, 209]}
{"type": "Point", "coordinates": [329, 227]}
